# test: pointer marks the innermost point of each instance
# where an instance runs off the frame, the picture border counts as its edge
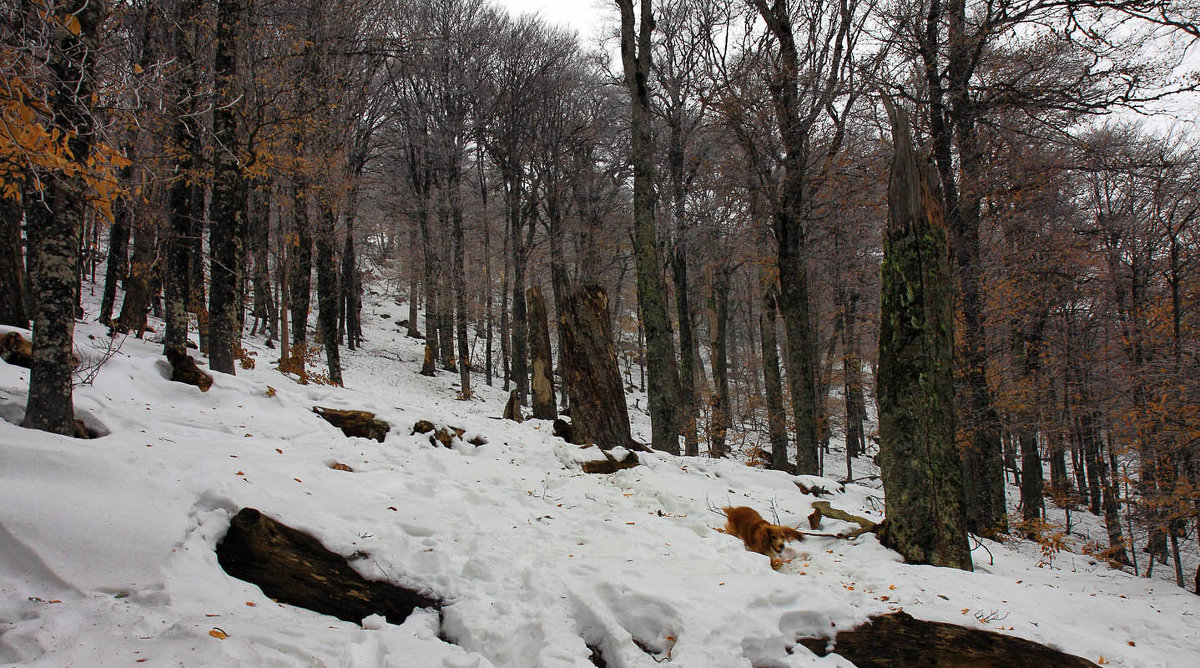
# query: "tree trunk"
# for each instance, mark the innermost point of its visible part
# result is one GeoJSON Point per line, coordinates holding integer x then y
{"type": "Point", "coordinates": [327, 289]}
{"type": "Point", "coordinates": [54, 232]}
{"type": "Point", "coordinates": [12, 266]}
{"type": "Point", "coordinates": [776, 417]}
{"type": "Point", "coordinates": [918, 456]}
{"type": "Point", "coordinates": [137, 282]}
{"type": "Point", "coordinates": [599, 414]}
{"type": "Point", "coordinates": [117, 267]}
{"type": "Point", "coordinates": [663, 392]}
{"type": "Point", "coordinates": [460, 288]}
{"type": "Point", "coordinates": [518, 319]}
{"type": "Point", "coordinates": [300, 247]}
{"type": "Point", "coordinates": [722, 418]}
{"type": "Point", "coordinates": [544, 405]}
{"type": "Point", "coordinates": [229, 199]}
{"type": "Point", "coordinates": [687, 356]}
{"type": "Point", "coordinates": [852, 386]}
{"type": "Point", "coordinates": [260, 250]}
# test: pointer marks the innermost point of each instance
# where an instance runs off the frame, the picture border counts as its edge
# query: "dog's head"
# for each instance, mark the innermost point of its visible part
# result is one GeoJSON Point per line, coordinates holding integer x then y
{"type": "Point", "coordinates": [781, 536]}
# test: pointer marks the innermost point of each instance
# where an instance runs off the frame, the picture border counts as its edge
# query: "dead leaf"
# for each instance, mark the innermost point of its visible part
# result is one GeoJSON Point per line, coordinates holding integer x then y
{"type": "Point", "coordinates": [218, 634]}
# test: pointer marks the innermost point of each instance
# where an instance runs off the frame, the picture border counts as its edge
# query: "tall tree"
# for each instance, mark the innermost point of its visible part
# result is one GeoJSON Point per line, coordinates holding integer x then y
{"type": "Point", "coordinates": [663, 391]}
{"type": "Point", "coordinates": [229, 198]}
{"type": "Point", "coordinates": [72, 29]}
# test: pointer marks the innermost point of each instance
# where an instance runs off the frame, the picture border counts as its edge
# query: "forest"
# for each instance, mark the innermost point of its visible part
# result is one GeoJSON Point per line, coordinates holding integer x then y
{"type": "Point", "coordinates": [728, 172]}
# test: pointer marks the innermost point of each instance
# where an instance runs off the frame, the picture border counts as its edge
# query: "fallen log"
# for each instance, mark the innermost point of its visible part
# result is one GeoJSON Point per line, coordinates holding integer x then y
{"type": "Point", "coordinates": [611, 464]}
{"type": "Point", "coordinates": [355, 423]}
{"type": "Point", "coordinates": [898, 640]}
{"type": "Point", "coordinates": [292, 567]}
{"type": "Point", "coordinates": [824, 509]}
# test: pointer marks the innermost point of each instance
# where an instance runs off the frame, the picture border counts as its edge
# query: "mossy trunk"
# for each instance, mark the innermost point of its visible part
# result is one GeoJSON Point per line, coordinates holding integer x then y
{"type": "Point", "coordinates": [919, 461]}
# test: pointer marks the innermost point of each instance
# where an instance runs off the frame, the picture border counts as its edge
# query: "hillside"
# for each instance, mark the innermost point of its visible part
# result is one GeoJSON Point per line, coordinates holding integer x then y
{"type": "Point", "coordinates": [107, 546]}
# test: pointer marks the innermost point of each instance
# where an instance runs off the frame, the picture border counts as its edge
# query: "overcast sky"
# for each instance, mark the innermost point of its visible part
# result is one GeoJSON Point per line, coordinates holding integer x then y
{"type": "Point", "coordinates": [582, 15]}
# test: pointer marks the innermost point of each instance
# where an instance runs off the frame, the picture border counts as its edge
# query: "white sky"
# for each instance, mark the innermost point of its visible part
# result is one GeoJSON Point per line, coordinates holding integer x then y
{"type": "Point", "coordinates": [582, 15]}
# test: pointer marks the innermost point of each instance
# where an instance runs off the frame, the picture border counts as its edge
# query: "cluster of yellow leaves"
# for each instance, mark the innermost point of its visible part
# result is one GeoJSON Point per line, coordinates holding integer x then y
{"type": "Point", "coordinates": [30, 142]}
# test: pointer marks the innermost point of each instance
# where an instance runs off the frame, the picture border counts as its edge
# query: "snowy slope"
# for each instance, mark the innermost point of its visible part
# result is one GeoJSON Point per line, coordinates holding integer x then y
{"type": "Point", "coordinates": [107, 546]}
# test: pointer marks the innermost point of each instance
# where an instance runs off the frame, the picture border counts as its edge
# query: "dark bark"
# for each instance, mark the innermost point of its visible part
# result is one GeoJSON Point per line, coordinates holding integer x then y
{"type": "Point", "coordinates": [518, 319]}
{"type": "Point", "coordinates": [773, 387]}
{"type": "Point", "coordinates": [599, 414]}
{"type": "Point", "coordinates": [182, 208]}
{"type": "Point", "coordinates": [226, 244]}
{"type": "Point", "coordinates": [294, 568]}
{"type": "Point", "coordinates": [117, 266]}
{"type": "Point", "coordinates": [900, 640]}
{"type": "Point", "coordinates": [299, 259]}
{"type": "Point", "coordinates": [460, 287]}
{"type": "Point", "coordinates": [54, 230]}
{"type": "Point", "coordinates": [918, 456]}
{"type": "Point", "coordinates": [544, 404]}
{"type": "Point", "coordinates": [852, 381]}
{"type": "Point", "coordinates": [663, 374]}
{"type": "Point", "coordinates": [687, 353]}
{"type": "Point", "coordinates": [788, 225]}
{"type": "Point", "coordinates": [12, 266]}
{"type": "Point", "coordinates": [722, 418]}
{"type": "Point", "coordinates": [327, 291]}
{"type": "Point", "coordinates": [136, 304]}
{"type": "Point", "coordinates": [260, 247]}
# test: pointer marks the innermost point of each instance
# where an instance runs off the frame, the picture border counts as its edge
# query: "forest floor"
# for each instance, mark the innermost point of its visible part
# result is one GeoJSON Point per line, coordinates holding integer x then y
{"type": "Point", "coordinates": [107, 547]}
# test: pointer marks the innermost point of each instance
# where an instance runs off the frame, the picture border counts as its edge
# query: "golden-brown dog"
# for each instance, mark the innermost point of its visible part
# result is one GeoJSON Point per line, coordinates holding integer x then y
{"type": "Point", "coordinates": [758, 535]}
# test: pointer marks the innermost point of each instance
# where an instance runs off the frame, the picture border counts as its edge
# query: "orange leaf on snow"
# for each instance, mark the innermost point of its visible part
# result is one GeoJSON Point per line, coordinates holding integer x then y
{"type": "Point", "coordinates": [218, 634]}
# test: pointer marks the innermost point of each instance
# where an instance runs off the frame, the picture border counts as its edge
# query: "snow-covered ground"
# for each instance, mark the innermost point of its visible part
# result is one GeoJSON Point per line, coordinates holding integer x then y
{"type": "Point", "coordinates": [107, 546]}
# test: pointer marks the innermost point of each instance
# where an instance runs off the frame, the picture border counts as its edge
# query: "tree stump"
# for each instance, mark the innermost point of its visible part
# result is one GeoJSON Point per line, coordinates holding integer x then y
{"type": "Point", "coordinates": [918, 456]}
{"type": "Point", "coordinates": [292, 567]}
{"type": "Point", "coordinates": [184, 369]}
{"type": "Point", "coordinates": [542, 385]}
{"type": "Point", "coordinates": [512, 410]}
{"type": "Point", "coordinates": [355, 423]}
{"type": "Point", "coordinates": [599, 414]}
{"type": "Point", "coordinates": [899, 640]}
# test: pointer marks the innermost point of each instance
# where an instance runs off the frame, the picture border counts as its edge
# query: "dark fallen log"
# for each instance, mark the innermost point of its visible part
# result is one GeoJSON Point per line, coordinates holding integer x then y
{"type": "Point", "coordinates": [292, 567]}
{"type": "Point", "coordinates": [16, 350]}
{"type": "Point", "coordinates": [898, 640]}
{"type": "Point", "coordinates": [611, 464]}
{"type": "Point", "coordinates": [184, 369]}
{"type": "Point", "coordinates": [355, 423]}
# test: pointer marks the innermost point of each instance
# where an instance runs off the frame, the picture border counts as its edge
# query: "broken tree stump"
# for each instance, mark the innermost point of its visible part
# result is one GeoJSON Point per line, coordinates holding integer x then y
{"type": "Point", "coordinates": [599, 414]}
{"type": "Point", "coordinates": [184, 369]}
{"type": "Point", "coordinates": [824, 509]}
{"type": "Point", "coordinates": [512, 409]}
{"type": "Point", "coordinates": [541, 356]}
{"type": "Point", "coordinates": [292, 567]}
{"type": "Point", "coordinates": [355, 423]}
{"type": "Point", "coordinates": [898, 640]}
